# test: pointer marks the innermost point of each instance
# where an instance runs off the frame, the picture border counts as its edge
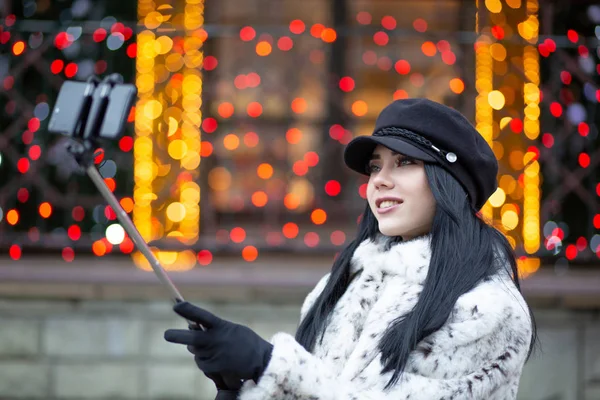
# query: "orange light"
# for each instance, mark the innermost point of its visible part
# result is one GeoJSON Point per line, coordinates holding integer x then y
{"type": "Point", "coordinates": [254, 109]}
{"type": "Point", "coordinates": [110, 183]}
{"type": "Point", "coordinates": [99, 248]}
{"type": "Point", "coordinates": [206, 149]}
{"type": "Point", "coordinates": [400, 94]}
{"type": "Point", "coordinates": [18, 47]}
{"type": "Point", "coordinates": [298, 105]}
{"type": "Point", "coordinates": [290, 230]}
{"type": "Point", "coordinates": [231, 141]}
{"type": "Point", "coordinates": [300, 167]}
{"type": "Point", "coordinates": [311, 158]}
{"type": "Point", "coordinates": [126, 246]}
{"type": "Point", "coordinates": [260, 198]}
{"type": "Point", "coordinates": [225, 110]}
{"type": "Point", "coordinates": [45, 210]}
{"type": "Point", "coordinates": [328, 35]}
{"type": "Point", "coordinates": [457, 85]}
{"type": "Point", "coordinates": [359, 108]}
{"type": "Point", "coordinates": [127, 204]}
{"type": "Point", "coordinates": [316, 30]}
{"type": "Point", "coordinates": [263, 48]}
{"type": "Point", "coordinates": [12, 217]}
{"type": "Point", "coordinates": [249, 253]}
{"type": "Point", "coordinates": [291, 201]}
{"type": "Point", "coordinates": [264, 171]}
{"type": "Point", "coordinates": [429, 49]}
{"type": "Point", "coordinates": [318, 216]}
{"type": "Point", "coordinates": [237, 235]}
{"type": "Point", "coordinates": [293, 135]}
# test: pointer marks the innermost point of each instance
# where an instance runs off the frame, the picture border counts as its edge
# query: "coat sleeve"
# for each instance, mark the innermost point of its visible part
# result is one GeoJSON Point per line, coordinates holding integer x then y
{"type": "Point", "coordinates": [294, 373]}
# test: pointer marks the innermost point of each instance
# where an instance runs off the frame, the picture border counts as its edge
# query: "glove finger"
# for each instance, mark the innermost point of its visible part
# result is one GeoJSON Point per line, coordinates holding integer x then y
{"type": "Point", "coordinates": [219, 382]}
{"type": "Point", "coordinates": [196, 314]}
{"type": "Point", "coordinates": [184, 336]}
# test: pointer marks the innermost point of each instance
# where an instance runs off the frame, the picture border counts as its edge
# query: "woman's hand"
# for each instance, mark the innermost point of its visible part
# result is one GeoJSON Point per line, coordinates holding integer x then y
{"type": "Point", "coordinates": [225, 348]}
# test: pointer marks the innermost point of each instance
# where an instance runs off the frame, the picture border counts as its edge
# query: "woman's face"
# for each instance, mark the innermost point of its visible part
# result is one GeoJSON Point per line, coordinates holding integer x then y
{"type": "Point", "coordinates": [399, 195]}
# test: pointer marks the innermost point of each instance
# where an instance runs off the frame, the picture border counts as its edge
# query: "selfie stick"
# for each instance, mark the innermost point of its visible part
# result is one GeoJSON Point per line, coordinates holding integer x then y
{"type": "Point", "coordinates": [84, 155]}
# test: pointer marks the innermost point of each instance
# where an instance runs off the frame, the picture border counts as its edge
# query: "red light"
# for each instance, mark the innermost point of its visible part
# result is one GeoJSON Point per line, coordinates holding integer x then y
{"type": "Point", "coordinates": [14, 252]}
{"type": "Point", "coordinates": [583, 51]}
{"type": "Point", "coordinates": [333, 188]}
{"type": "Point", "coordinates": [247, 33]}
{"type": "Point", "coordinates": [126, 246]}
{"type": "Point", "coordinates": [23, 195]}
{"type": "Point", "coordinates": [516, 125]}
{"type": "Point", "coordinates": [300, 168]}
{"type": "Point", "coordinates": [253, 79]}
{"type": "Point", "coordinates": [78, 213]}
{"type": "Point", "coordinates": [581, 243]}
{"type": "Point", "coordinates": [297, 26]}
{"type": "Point", "coordinates": [70, 70]}
{"type": "Point", "coordinates": [369, 57]}
{"type": "Point", "coordinates": [100, 67]}
{"type": "Point", "coordinates": [74, 232]}
{"type": "Point", "coordinates": [68, 254]}
{"type": "Point", "coordinates": [311, 239]}
{"type": "Point", "coordinates": [571, 252]}
{"type": "Point", "coordinates": [572, 35]}
{"type": "Point", "coordinates": [584, 129]}
{"type": "Point", "coordinates": [550, 44]}
{"type": "Point", "coordinates": [338, 238]}
{"type": "Point", "coordinates": [205, 257]}
{"type": "Point", "coordinates": [210, 63]}
{"type": "Point", "coordinates": [240, 81]}
{"type": "Point", "coordinates": [346, 84]}
{"type": "Point", "coordinates": [381, 38]}
{"type": "Point", "coordinates": [62, 40]}
{"type": "Point", "coordinates": [56, 66]}
{"type": "Point", "coordinates": [558, 233]}
{"type": "Point", "coordinates": [448, 57]}
{"type": "Point", "coordinates": [402, 67]}
{"type": "Point", "coordinates": [498, 32]}
{"type": "Point", "coordinates": [400, 94]}
{"type": "Point", "coordinates": [556, 109]}
{"type": "Point", "coordinates": [336, 131]}
{"type": "Point", "coordinates": [126, 143]}
{"type": "Point", "coordinates": [544, 50]}
{"type": "Point", "coordinates": [597, 221]}
{"type": "Point", "coordinates": [388, 22]}
{"type": "Point", "coordinates": [311, 158]}
{"type": "Point", "coordinates": [132, 50]}
{"type": "Point", "coordinates": [420, 25]}
{"type": "Point", "coordinates": [34, 152]}
{"type": "Point", "coordinates": [10, 20]}
{"type": "Point", "coordinates": [443, 45]}
{"type": "Point", "coordinates": [33, 124]}
{"type": "Point", "coordinates": [23, 165]}
{"type": "Point", "coordinates": [384, 63]}
{"type": "Point", "coordinates": [362, 190]}
{"type": "Point", "coordinates": [285, 43]}
{"type": "Point", "coordinates": [98, 156]}
{"type": "Point", "coordinates": [99, 35]}
{"type": "Point", "coordinates": [547, 140]}
{"type": "Point", "coordinates": [565, 77]}
{"type": "Point", "coordinates": [364, 18]}
{"type": "Point", "coordinates": [237, 235]}
{"type": "Point", "coordinates": [110, 213]}
{"type": "Point", "coordinates": [209, 125]}
{"type": "Point", "coordinates": [584, 160]}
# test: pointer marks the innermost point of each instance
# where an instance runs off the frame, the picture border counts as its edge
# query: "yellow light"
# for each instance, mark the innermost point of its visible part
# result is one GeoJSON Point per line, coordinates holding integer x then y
{"type": "Point", "coordinates": [176, 212]}
{"type": "Point", "coordinates": [152, 109]}
{"type": "Point", "coordinates": [493, 6]}
{"type": "Point", "coordinates": [510, 220]}
{"type": "Point", "coordinates": [498, 52]}
{"type": "Point", "coordinates": [177, 149]}
{"type": "Point", "coordinates": [496, 99]}
{"type": "Point", "coordinates": [498, 198]}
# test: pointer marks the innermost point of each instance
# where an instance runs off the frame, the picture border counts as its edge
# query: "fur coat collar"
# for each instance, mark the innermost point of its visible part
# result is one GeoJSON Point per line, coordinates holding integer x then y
{"type": "Point", "coordinates": [478, 354]}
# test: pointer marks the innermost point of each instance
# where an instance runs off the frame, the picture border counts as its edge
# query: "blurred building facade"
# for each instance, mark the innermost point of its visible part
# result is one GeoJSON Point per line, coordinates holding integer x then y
{"type": "Point", "coordinates": [231, 168]}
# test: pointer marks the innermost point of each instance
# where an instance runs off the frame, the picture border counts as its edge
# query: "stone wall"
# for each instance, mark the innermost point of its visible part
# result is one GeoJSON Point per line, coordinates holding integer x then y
{"type": "Point", "coordinates": [60, 349]}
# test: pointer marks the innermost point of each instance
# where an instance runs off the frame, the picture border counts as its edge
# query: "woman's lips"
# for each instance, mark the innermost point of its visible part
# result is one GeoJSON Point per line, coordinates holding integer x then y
{"type": "Point", "coordinates": [387, 209]}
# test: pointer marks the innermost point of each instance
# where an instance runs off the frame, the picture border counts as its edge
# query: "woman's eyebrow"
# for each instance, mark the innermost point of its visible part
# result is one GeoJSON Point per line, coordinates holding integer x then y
{"type": "Point", "coordinates": [376, 156]}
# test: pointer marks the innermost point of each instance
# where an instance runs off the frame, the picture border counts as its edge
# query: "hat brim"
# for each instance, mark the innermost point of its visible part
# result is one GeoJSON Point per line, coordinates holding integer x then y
{"type": "Point", "coordinates": [359, 150]}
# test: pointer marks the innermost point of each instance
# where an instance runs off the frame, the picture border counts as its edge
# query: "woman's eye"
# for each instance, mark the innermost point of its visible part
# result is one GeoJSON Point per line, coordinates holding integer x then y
{"type": "Point", "coordinates": [372, 168]}
{"type": "Point", "coordinates": [406, 161]}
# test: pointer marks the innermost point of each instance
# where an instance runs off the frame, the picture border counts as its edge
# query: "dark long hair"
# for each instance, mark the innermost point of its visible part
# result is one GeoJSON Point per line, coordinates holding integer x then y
{"type": "Point", "coordinates": [464, 251]}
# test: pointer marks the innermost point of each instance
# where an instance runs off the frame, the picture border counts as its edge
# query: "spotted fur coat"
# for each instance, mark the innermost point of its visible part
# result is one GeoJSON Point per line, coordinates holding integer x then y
{"type": "Point", "coordinates": [478, 354]}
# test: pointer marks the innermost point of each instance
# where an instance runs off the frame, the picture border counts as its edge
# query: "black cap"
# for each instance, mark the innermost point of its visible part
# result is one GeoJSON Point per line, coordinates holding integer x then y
{"type": "Point", "coordinates": [432, 132]}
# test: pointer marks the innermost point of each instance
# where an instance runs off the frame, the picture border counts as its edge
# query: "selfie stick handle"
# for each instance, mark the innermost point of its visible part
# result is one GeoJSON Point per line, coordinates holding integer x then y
{"type": "Point", "coordinates": [133, 232]}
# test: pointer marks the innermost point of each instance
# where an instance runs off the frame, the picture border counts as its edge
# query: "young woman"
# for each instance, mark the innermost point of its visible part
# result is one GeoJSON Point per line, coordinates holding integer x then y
{"type": "Point", "coordinates": [423, 304]}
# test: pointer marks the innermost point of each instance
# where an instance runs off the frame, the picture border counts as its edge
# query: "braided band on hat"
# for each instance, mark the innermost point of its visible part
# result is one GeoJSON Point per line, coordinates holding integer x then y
{"type": "Point", "coordinates": [414, 137]}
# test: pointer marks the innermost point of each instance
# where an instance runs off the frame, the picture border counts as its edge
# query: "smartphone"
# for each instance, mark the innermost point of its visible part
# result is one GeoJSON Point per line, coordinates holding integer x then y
{"type": "Point", "coordinates": [113, 104]}
{"type": "Point", "coordinates": [72, 102]}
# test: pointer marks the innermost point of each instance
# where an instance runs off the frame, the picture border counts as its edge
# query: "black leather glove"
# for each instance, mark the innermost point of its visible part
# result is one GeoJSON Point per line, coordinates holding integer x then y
{"type": "Point", "coordinates": [225, 348]}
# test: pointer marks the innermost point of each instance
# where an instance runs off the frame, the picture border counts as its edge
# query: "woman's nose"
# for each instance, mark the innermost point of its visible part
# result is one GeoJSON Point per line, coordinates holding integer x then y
{"type": "Point", "coordinates": [383, 178]}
